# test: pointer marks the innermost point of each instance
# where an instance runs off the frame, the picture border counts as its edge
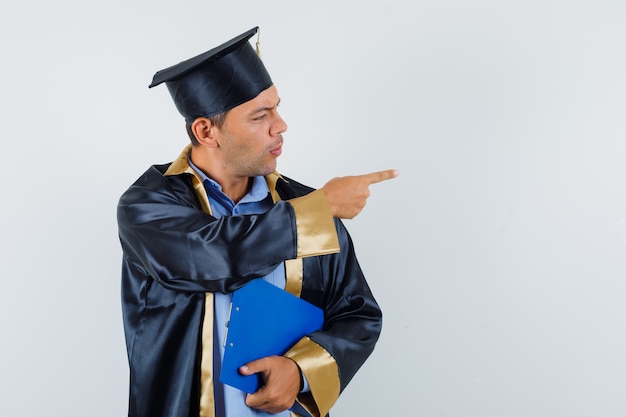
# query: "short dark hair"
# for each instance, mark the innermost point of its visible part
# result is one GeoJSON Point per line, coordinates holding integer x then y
{"type": "Point", "coordinates": [216, 120]}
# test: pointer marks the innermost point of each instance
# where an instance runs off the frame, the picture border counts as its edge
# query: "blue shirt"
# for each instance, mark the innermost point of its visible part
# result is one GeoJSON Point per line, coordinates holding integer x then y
{"type": "Point", "coordinates": [229, 401]}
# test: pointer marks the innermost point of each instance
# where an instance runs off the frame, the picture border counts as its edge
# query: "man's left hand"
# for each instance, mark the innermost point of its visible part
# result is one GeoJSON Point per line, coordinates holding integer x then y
{"type": "Point", "coordinates": [281, 383]}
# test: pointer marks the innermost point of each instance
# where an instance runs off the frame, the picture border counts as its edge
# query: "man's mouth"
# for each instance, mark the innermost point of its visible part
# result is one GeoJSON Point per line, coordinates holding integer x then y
{"type": "Point", "coordinates": [277, 151]}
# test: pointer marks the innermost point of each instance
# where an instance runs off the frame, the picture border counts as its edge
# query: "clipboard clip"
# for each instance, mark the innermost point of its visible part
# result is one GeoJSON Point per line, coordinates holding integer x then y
{"type": "Point", "coordinates": [230, 310]}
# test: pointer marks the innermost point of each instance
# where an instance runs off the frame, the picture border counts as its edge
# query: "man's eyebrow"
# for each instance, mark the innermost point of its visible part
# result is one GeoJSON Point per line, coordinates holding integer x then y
{"type": "Point", "coordinates": [266, 108]}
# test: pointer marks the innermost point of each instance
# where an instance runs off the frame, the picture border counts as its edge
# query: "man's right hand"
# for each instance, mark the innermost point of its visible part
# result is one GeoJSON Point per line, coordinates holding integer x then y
{"type": "Point", "coordinates": [347, 195]}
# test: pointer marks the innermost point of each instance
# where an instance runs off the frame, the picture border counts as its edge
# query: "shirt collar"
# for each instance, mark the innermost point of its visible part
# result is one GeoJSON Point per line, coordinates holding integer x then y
{"type": "Point", "coordinates": [183, 165]}
{"type": "Point", "coordinates": [257, 192]}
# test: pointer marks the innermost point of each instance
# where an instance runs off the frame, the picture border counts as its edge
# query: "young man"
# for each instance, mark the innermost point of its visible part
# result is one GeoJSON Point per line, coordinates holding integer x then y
{"type": "Point", "coordinates": [219, 216]}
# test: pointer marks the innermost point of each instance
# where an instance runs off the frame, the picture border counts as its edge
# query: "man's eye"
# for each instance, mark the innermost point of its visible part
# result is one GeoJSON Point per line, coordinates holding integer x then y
{"type": "Point", "coordinates": [261, 117]}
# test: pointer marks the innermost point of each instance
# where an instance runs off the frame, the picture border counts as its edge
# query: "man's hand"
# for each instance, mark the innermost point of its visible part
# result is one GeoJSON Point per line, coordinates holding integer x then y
{"type": "Point", "coordinates": [281, 383]}
{"type": "Point", "coordinates": [347, 195]}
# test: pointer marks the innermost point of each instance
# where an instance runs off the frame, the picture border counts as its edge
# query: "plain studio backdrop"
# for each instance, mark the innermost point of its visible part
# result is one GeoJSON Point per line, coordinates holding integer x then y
{"type": "Point", "coordinates": [498, 255]}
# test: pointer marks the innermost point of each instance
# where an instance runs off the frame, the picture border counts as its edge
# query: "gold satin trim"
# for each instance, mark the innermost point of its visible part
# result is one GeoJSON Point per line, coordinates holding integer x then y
{"type": "Point", "coordinates": [272, 179]}
{"type": "Point", "coordinates": [180, 165]}
{"type": "Point", "coordinates": [207, 393]}
{"type": "Point", "coordinates": [294, 274]}
{"type": "Point", "coordinates": [316, 234]}
{"type": "Point", "coordinates": [293, 267]}
{"type": "Point", "coordinates": [322, 374]}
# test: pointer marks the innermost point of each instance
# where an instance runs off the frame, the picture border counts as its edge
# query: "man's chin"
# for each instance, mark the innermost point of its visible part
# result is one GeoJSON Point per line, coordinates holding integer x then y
{"type": "Point", "coordinates": [268, 169]}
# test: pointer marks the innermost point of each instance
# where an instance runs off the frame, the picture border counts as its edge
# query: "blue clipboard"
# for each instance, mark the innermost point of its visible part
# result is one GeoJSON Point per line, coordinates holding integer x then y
{"type": "Point", "coordinates": [264, 321]}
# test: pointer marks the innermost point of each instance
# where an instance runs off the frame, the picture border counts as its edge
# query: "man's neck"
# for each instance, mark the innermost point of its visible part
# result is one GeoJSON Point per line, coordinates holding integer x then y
{"type": "Point", "coordinates": [235, 190]}
{"type": "Point", "coordinates": [234, 187]}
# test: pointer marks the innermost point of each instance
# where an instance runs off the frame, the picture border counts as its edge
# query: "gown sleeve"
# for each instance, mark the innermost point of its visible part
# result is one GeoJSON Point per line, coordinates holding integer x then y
{"type": "Point", "coordinates": [329, 358]}
{"type": "Point", "coordinates": [166, 236]}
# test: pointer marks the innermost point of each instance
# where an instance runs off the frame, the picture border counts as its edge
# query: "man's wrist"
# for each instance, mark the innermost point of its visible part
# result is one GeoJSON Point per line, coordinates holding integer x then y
{"type": "Point", "coordinates": [304, 385]}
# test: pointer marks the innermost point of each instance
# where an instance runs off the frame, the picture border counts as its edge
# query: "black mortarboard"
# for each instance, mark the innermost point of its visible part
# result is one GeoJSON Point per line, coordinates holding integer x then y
{"type": "Point", "coordinates": [216, 80]}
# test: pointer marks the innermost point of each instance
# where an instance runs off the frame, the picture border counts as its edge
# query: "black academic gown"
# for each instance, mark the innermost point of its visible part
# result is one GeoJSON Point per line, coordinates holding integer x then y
{"type": "Point", "coordinates": [174, 253]}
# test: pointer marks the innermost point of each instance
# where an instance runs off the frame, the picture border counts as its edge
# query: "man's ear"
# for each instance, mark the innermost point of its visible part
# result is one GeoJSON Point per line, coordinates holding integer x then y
{"type": "Point", "coordinates": [204, 131]}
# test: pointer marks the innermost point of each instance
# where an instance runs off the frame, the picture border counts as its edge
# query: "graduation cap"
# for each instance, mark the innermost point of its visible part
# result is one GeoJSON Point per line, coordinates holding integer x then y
{"type": "Point", "coordinates": [217, 80]}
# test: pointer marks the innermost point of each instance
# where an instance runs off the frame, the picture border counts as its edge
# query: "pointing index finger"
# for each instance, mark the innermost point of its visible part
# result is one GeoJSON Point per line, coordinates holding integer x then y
{"type": "Point", "coordinates": [380, 176]}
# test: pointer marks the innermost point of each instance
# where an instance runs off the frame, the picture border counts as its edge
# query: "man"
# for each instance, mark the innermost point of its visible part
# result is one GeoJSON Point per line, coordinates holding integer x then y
{"type": "Point", "coordinates": [219, 216]}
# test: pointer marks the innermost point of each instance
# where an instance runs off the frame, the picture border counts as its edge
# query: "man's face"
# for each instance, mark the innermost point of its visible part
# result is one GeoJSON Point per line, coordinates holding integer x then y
{"type": "Point", "coordinates": [251, 137]}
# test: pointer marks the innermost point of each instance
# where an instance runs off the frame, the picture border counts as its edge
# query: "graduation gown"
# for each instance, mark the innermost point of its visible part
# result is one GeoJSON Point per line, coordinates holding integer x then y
{"type": "Point", "coordinates": [176, 255]}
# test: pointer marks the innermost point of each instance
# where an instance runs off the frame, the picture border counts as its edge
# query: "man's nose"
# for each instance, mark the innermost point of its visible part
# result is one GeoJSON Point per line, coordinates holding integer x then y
{"type": "Point", "coordinates": [279, 126]}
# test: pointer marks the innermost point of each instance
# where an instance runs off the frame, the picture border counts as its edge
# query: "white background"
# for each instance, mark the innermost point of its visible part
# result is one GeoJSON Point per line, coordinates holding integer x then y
{"type": "Point", "coordinates": [497, 255]}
